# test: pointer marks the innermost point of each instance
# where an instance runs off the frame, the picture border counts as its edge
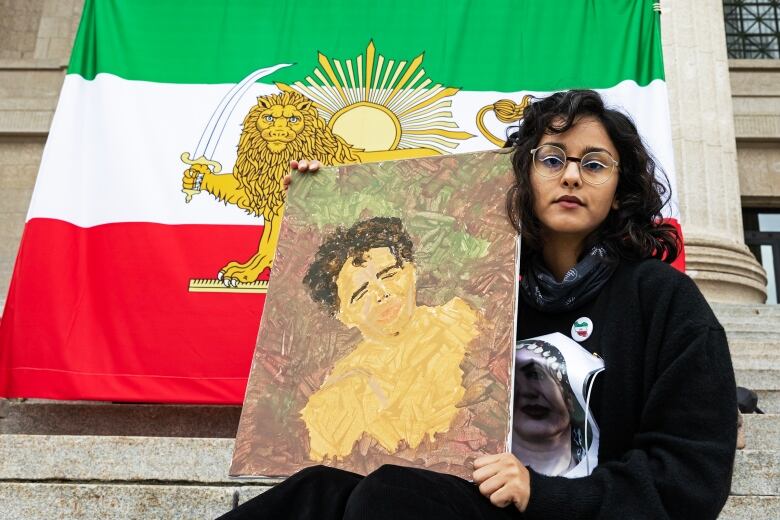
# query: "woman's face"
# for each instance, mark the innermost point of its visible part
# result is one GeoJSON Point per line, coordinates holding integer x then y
{"type": "Point", "coordinates": [566, 206]}
{"type": "Point", "coordinates": [540, 409]}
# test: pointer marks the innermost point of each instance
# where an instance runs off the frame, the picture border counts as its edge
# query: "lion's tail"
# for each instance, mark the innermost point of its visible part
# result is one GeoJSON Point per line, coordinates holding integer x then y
{"type": "Point", "coordinates": [506, 110]}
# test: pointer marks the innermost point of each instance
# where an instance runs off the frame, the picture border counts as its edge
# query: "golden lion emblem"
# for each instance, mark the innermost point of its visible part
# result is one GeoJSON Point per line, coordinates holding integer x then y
{"type": "Point", "coordinates": [279, 128]}
{"type": "Point", "coordinates": [327, 123]}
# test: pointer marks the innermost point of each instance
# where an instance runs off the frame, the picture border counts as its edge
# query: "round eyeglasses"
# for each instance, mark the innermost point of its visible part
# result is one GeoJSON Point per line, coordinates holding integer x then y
{"type": "Point", "coordinates": [595, 167]}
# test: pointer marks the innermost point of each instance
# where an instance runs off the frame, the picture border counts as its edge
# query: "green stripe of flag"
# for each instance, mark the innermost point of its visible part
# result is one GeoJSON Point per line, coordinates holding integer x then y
{"type": "Point", "coordinates": [504, 45]}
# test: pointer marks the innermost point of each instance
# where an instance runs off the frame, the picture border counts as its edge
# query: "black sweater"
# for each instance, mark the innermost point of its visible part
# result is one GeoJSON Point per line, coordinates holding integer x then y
{"type": "Point", "coordinates": [665, 405]}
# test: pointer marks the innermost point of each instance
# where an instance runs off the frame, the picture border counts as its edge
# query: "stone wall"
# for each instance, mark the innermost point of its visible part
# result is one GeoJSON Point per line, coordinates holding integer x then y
{"type": "Point", "coordinates": [755, 87]}
{"type": "Point", "coordinates": [19, 158]}
{"type": "Point", "coordinates": [35, 43]}
{"type": "Point", "coordinates": [35, 30]}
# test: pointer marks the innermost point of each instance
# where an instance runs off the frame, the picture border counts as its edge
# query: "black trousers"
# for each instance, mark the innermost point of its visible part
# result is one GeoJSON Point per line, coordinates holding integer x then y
{"type": "Point", "coordinates": [389, 493]}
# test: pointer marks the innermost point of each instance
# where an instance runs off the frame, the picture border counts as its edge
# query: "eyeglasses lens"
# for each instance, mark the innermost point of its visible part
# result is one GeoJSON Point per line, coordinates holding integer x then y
{"type": "Point", "coordinates": [596, 167]}
{"type": "Point", "coordinates": [549, 161]}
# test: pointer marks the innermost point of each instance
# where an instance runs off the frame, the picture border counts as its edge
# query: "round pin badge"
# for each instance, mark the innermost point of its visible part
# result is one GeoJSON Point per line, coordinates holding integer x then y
{"type": "Point", "coordinates": [582, 329]}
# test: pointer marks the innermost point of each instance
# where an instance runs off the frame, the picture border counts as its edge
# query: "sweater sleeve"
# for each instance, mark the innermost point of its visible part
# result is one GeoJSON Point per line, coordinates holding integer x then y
{"type": "Point", "coordinates": [681, 459]}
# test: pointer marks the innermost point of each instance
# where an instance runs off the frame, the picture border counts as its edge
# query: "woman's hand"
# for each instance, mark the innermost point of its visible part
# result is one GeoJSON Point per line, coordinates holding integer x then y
{"type": "Point", "coordinates": [302, 166]}
{"type": "Point", "coordinates": [503, 479]}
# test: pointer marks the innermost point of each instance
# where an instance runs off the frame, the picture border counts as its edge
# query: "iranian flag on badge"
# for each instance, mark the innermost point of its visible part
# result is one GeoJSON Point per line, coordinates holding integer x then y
{"type": "Point", "coordinates": [150, 237]}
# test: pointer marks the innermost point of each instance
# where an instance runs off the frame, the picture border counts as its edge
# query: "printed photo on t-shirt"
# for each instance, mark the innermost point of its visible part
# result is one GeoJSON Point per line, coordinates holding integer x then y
{"type": "Point", "coordinates": [553, 430]}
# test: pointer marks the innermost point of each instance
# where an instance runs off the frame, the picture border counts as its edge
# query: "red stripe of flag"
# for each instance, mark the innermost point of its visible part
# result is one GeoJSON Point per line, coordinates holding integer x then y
{"type": "Point", "coordinates": [104, 313]}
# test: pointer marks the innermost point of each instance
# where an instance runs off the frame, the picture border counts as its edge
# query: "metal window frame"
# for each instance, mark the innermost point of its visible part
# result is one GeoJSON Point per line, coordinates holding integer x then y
{"type": "Point", "coordinates": [752, 28]}
{"type": "Point", "coordinates": [767, 238]}
{"type": "Point", "coordinates": [754, 239]}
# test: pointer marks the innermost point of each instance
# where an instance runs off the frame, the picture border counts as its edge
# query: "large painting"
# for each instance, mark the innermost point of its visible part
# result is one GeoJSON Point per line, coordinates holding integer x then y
{"type": "Point", "coordinates": [388, 333]}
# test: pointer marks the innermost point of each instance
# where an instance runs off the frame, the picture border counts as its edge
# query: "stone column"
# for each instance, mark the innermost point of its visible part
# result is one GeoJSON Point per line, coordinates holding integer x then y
{"type": "Point", "coordinates": [697, 76]}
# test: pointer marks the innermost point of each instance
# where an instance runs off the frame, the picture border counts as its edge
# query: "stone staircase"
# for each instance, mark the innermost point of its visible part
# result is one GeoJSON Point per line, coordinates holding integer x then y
{"type": "Point", "coordinates": [754, 339]}
{"type": "Point", "coordinates": [98, 460]}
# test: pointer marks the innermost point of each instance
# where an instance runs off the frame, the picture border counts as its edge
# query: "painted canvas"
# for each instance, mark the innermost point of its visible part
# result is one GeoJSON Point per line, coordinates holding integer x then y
{"type": "Point", "coordinates": [388, 333]}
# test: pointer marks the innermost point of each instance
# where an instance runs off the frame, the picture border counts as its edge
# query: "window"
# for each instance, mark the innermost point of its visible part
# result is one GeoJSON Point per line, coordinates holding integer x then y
{"type": "Point", "coordinates": [752, 28]}
{"type": "Point", "coordinates": [762, 236]}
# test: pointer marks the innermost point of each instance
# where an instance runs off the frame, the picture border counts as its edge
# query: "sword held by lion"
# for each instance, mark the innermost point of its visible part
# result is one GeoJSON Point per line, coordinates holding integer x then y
{"type": "Point", "coordinates": [278, 128]}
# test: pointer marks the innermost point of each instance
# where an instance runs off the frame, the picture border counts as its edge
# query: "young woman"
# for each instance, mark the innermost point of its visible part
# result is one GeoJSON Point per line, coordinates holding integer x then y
{"type": "Point", "coordinates": [594, 252]}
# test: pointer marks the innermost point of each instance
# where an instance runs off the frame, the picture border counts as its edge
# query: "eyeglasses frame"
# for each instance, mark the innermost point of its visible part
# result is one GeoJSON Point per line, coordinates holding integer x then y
{"type": "Point", "coordinates": [577, 160]}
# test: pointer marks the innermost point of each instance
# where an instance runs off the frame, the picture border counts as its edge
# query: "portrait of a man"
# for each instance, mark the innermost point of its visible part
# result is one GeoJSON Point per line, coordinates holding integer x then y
{"type": "Point", "coordinates": [387, 334]}
{"type": "Point", "coordinates": [403, 381]}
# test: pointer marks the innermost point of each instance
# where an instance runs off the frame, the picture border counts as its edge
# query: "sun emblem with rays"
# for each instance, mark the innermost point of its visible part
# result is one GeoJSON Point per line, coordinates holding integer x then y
{"type": "Point", "coordinates": [389, 109]}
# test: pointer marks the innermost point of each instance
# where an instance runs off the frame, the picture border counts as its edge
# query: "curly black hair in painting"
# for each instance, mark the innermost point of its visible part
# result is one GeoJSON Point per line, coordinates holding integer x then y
{"type": "Point", "coordinates": [634, 230]}
{"type": "Point", "coordinates": [353, 242]}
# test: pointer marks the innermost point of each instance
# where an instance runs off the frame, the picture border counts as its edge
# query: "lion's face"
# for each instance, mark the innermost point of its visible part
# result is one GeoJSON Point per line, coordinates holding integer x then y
{"type": "Point", "coordinates": [280, 124]}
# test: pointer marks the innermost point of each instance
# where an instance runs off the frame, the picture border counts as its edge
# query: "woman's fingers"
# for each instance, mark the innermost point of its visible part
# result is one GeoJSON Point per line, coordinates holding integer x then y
{"type": "Point", "coordinates": [493, 484]}
{"type": "Point", "coordinates": [305, 165]}
{"type": "Point", "coordinates": [302, 166]}
{"type": "Point", "coordinates": [480, 462]}
{"type": "Point", "coordinates": [502, 497]}
{"type": "Point", "coordinates": [485, 472]}
{"type": "Point", "coordinates": [503, 479]}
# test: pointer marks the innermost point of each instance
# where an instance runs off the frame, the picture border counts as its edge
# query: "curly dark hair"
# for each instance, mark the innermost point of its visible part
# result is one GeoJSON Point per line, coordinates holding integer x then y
{"type": "Point", "coordinates": [354, 242]}
{"type": "Point", "coordinates": [635, 229]}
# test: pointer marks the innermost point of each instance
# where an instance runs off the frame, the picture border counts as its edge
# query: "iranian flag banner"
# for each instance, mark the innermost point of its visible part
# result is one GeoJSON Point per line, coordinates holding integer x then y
{"type": "Point", "coordinates": [150, 234]}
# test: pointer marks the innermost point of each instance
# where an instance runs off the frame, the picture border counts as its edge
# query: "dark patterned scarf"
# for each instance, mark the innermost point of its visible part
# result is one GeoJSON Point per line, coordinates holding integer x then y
{"type": "Point", "coordinates": [580, 284]}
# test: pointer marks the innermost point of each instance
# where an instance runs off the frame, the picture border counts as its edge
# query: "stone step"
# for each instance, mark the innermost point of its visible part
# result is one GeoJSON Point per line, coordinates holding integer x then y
{"type": "Point", "coordinates": [756, 472]}
{"type": "Point", "coordinates": [729, 310]}
{"type": "Point", "coordinates": [768, 315]}
{"type": "Point", "coordinates": [46, 417]}
{"type": "Point", "coordinates": [769, 401]}
{"type": "Point", "coordinates": [748, 318]}
{"type": "Point", "coordinates": [123, 459]}
{"type": "Point", "coordinates": [152, 460]}
{"type": "Point", "coordinates": [743, 348]}
{"type": "Point", "coordinates": [32, 501]}
{"type": "Point", "coordinates": [25, 501]}
{"type": "Point", "coordinates": [758, 379]}
{"type": "Point", "coordinates": [766, 326]}
{"type": "Point", "coordinates": [751, 508]}
{"type": "Point", "coordinates": [763, 341]}
{"type": "Point", "coordinates": [769, 362]}
{"type": "Point", "coordinates": [725, 310]}
{"type": "Point", "coordinates": [757, 366]}
{"type": "Point", "coordinates": [761, 333]}
{"type": "Point", "coordinates": [770, 328]}
{"type": "Point", "coordinates": [762, 431]}
{"type": "Point", "coordinates": [123, 501]}
{"type": "Point", "coordinates": [740, 342]}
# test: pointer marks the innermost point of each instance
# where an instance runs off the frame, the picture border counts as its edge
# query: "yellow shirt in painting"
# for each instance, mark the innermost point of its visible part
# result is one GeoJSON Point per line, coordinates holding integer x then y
{"type": "Point", "coordinates": [404, 388]}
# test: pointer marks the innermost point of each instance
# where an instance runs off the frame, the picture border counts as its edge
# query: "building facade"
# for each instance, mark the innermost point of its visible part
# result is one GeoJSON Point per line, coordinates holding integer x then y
{"type": "Point", "coordinates": [82, 460]}
{"type": "Point", "coordinates": [723, 75]}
